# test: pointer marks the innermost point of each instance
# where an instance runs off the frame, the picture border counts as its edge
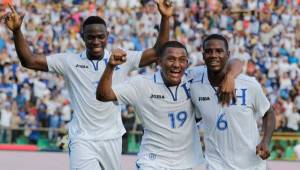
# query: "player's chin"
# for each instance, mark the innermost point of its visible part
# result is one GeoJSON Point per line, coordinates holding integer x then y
{"type": "Point", "coordinates": [215, 68]}
{"type": "Point", "coordinates": [174, 81]}
{"type": "Point", "coordinates": [97, 53]}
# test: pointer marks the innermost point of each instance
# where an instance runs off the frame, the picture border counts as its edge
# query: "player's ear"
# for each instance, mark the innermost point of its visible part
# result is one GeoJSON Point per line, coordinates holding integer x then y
{"type": "Point", "coordinates": [159, 60]}
{"type": "Point", "coordinates": [228, 54]}
{"type": "Point", "coordinates": [81, 33]}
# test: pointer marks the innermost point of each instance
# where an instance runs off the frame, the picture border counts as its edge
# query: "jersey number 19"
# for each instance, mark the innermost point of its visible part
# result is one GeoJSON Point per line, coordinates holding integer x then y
{"type": "Point", "coordinates": [177, 119]}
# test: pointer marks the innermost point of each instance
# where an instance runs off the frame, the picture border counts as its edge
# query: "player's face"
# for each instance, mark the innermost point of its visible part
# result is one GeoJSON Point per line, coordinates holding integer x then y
{"type": "Point", "coordinates": [215, 55]}
{"type": "Point", "coordinates": [173, 64]}
{"type": "Point", "coordinates": [95, 38]}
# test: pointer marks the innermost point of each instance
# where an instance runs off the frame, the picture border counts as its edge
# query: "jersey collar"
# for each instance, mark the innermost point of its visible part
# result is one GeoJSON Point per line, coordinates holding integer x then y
{"type": "Point", "coordinates": [83, 55]}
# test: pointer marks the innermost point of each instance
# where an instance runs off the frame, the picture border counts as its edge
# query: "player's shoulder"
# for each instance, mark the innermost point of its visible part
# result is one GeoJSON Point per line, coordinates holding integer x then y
{"type": "Point", "coordinates": [248, 80]}
{"type": "Point", "coordinates": [130, 52]}
{"type": "Point", "coordinates": [66, 55]}
{"type": "Point", "coordinates": [196, 71]}
{"type": "Point", "coordinates": [141, 78]}
{"type": "Point", "coordinates": [198, 74]}
{"type": "Point", "coordinates": [67, 58]}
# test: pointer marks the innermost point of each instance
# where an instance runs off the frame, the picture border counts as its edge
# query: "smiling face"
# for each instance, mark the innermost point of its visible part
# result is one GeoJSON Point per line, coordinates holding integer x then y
{"type": "Point", "coordinates": [95, 38]}
{"type": "Point", "coordinates": [173, 62]}
{"type": "Point", "coordinates": [215, 55]}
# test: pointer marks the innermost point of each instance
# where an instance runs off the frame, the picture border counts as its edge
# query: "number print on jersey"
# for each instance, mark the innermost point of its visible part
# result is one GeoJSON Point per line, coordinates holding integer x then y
{"type": "Point", "coordinates": [222, 122]}
{"type": "Point", "coordinates": [177, 120]}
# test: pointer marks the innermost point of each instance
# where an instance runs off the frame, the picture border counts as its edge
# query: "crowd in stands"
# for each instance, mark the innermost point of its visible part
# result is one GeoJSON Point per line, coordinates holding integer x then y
{"type": "Point", "coordinates": [264, 34]}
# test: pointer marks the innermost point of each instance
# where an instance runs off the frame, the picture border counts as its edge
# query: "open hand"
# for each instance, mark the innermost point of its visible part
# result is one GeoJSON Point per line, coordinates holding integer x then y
{"type": "Point", "coordinates": [165, 7]}
{"type": "Point", "coordinates": [12, 19]}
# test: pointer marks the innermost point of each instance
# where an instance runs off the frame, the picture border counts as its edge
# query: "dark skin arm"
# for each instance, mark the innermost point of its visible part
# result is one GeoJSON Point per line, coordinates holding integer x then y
{"type": "Point", "coordinates": [104, 91]}
{"type": "Point", "coordinates": [13, 21]}
{"type": "Point", "coordinates": [262, 149]}
{"type": "Point", "coordinates": [149, 55]}
{"type": "Point", "coordinates": [226, 88]}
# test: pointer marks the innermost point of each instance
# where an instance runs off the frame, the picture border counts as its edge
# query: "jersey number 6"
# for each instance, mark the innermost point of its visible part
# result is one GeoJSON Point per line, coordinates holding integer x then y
{"type": "Point", "coordinates": [222, 123]}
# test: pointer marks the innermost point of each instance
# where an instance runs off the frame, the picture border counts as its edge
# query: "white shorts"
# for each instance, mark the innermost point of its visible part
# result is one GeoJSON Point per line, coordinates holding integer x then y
{"type": "Point", "coordinates": [219, 166]}
{"type": "Point", "coordinates": [155, 167]}
{"type": "Point", "coordinates": [142, 164]}
{"type": "Point", "coordinates": [95, 155]}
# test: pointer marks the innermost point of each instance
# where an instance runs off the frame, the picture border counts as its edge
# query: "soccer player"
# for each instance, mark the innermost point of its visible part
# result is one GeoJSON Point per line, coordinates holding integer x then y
{"type": "Point", "coordinates": [162, 101]}
{"type": "Point", "coordinates": [231, 136]}
{"type": "Point", "coordinates": [95, 132]}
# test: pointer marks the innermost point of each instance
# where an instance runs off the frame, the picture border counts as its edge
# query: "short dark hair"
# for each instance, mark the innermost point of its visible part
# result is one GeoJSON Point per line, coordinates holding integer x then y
{"type": "Point", "coordinates": [215, 36]}
{"type": "Point", "coordinates": [174, 44]}
{"type": "Point", "coordinates": [93, 20]}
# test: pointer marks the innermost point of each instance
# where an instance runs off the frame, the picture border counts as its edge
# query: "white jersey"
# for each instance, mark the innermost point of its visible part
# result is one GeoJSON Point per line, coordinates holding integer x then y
{"type": "Point", "coordinates": [170, 139]}
{"type": "Point", "coordinates": [230, 132]}
{"type": "Point", "coordinates": [92, 119]}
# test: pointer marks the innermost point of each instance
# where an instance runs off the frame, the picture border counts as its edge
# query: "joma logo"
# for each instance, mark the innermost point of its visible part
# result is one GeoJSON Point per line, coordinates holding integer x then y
{"type": "Point", "coordinates": [81, 66]}
{"type": "Point", "coordinates": [203, 98]}
{"type": "Point", "coordinates": [157, 96]}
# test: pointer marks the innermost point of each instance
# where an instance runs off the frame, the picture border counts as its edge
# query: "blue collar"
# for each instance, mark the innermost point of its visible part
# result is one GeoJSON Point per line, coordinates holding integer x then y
{"type": "Point", "coordinates": [83, 55]}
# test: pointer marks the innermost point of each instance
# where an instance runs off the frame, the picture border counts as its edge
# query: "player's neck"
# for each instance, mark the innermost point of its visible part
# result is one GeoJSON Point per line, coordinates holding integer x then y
{"type": "Point", "coordinates": [166, 81]}
{"type": "Point", "coordinates": [90, 57]}
{"type": "Point", "coordinates": [215, 78]}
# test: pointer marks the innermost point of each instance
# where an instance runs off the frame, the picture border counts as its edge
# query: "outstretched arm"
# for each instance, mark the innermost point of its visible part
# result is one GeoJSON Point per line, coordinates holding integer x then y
{"type": "Point", "coordinates": [268, 127]}
{"type": "Point", "coordinates": [104, 91]}
{"type": "Point", "coordinates": [166, 11]}
{"type": "Point", "coordinates": [13, 21]}
{"type": "Point", "coordinates": [226, 89]}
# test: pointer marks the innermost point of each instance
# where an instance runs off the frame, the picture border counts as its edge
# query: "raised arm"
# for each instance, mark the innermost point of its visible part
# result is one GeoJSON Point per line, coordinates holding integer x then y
{"type": "Point", "coordinates": [268, 127]}
{"type": "Point", "coordinates": [13, 21]}
{"type": "Point", "coordinates": [166, 11]}
{"type": "Point", "coordinates": [104, 91]}
{"type": "Point", "coordinates": [226, 89]}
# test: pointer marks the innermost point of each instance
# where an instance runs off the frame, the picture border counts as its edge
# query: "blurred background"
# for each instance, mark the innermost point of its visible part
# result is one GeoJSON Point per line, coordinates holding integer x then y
{"type": "Point", "coordinates": [265, 34]}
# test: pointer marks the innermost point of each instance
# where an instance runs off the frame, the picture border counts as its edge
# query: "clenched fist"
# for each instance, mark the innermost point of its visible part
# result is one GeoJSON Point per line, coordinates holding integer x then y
{"type": "Point", "coordinates": [117, 57]}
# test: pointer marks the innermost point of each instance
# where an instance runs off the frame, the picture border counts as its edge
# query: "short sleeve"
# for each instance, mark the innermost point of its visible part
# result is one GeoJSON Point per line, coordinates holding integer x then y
{"type": "Point", "coordinates": [196, 72]}
{"type": "Point", "coordinates": [57, 63]}
{"type": "Point", "coordinates": [261, 102]}
{"type": "Point", "coordinates": [133, 59]}
{"type": "Point", "coordinates": [127, 92]}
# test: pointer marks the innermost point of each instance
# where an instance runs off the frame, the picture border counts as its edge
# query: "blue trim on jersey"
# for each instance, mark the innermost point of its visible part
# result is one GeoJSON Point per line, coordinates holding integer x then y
{"type": "Point", "coordinates": [137, 165]}
{"type": "Point", "coordinates": [69, 147]}
{"type": "Point", "coordinates": [95, 65]}
{"type": "Point", "coordinates": [154, 77]}
{"type": "Point", "coordinates": [106, 62]}
{"type": "Point", "coordinates": [174, 97]}
{"type": "Point", "coordinates": [202, 78]}
{"type": "Point", "coordinates": [82, 55]}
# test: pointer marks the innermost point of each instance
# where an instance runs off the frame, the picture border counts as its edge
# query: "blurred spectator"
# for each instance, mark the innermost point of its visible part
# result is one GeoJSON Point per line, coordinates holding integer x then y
{"type": "Point", "coordinates": [55, 122]}
{"type": "Point", "coordinates": [297, 150]}
{"type": "Point", "coordinates": [293, 120]}
{"type": "Point", "coordinates": [5, 121]}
